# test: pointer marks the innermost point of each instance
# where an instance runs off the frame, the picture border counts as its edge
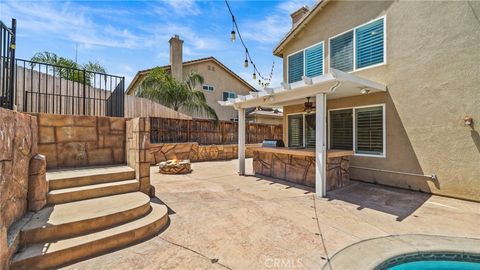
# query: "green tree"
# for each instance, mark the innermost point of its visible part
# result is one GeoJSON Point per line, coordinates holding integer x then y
{"type": "Point", "coordinates": [161, 87]}
{"type": "Point", "coordinates": [67, 68]}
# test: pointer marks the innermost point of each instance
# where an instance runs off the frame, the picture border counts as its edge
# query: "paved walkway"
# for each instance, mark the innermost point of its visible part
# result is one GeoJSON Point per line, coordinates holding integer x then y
{"type": "Point", "coordinates": [220, 220]}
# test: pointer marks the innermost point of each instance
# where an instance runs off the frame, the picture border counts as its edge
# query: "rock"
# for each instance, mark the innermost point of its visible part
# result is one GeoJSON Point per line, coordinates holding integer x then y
{"type": "Point", "coordinates": [37, 183]}
{"type": "Point", "coordinates": [117, 123]}
{"type": "Point", "coordinates": [85, 120]}
{"type": "Point", "coordinates": [100, 156]}
{"type": "Point", "coordinates": [55, 120]}
{"type": "Point", "coordinates": [71, 154]}
{"type": "Point", "coordinates": [47, 134]}
{"type": "Point", "coordinates": [76, 134]}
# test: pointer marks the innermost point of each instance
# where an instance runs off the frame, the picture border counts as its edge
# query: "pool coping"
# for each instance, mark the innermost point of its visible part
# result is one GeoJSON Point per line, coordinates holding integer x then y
{"type": "Point", "coordinates": [370, 253]}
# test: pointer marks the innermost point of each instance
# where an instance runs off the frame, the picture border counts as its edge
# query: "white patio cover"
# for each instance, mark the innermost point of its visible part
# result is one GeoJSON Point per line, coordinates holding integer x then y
{"type": "Point", "coordinates": [335, 84]}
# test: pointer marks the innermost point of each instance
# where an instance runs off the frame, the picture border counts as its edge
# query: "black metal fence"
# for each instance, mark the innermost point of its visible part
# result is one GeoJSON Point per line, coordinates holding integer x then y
{"type": "Point", "coordinates": [48, 88]}
{"type": "Point", "coordinates": [7, 63]}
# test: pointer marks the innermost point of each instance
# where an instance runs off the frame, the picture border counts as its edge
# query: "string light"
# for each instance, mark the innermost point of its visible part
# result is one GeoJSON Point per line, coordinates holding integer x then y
{"type": "Point", "coordinates": [248, 58]}
{"type": "Point", "coordinates": [245, 64]}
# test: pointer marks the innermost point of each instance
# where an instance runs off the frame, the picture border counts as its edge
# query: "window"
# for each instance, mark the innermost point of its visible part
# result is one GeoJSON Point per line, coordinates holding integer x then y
{"type": "Point", "coordinates": [227, 95]}
{"type": "Point", "coordinates": [369, 44]}
{"type": "Point", "coordinates": [341, 52]}
{"type": "Point", "coordinates": [341, 129]}
{"type": "Point", "coordinates": [369, 130]}
{"type": "Point", "coordinates": [361, 47]}
{"type": "Point", "coordinates": [295, 130]}
{"type": "Point", "coordinates": [314, 61]}
{"type": "Point", "coordinates": [310, 123]}
{"type": "Point", "coordinates": [208, 88]}
{"type": "Point", "coordinates": [361, 129]}
{"type": "Point", "coordinates": [301, 130]}
{"type": "Point", "coordinates": [308, 62]}
{"type": "Point", "coordinates": [295, 67]}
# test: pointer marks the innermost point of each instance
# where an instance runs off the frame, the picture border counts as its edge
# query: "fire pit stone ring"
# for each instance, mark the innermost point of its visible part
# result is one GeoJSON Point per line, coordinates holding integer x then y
{"type": "Point", "coordinates": [175, 167]}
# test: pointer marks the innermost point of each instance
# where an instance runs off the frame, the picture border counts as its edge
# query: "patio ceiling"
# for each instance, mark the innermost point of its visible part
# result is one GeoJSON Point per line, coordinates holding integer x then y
{"type": "Point", "coordinates": [335, 84]}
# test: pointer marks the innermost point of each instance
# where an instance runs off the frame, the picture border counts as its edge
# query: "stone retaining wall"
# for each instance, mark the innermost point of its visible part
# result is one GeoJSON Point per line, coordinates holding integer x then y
{"type": "Point", "coordinates": [75, 141]}
{"type": "Point", "coordinates": [18, 144]}
{"type": "Point", "coordinates": [167, 151]}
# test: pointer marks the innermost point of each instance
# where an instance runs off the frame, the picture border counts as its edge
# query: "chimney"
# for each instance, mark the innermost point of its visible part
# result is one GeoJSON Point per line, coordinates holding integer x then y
{"type": "Point", "coordinates": [298, 15]}
{"type": "Point", "coordinates": [176, 57]}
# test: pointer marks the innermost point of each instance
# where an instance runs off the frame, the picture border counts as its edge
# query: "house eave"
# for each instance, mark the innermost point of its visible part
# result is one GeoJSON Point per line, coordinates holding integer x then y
{"type": "Point", "coordinates": [278, 51]}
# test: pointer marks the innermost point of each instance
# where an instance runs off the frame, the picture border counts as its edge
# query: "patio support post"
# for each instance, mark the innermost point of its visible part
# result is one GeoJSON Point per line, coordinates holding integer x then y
{"type": "Point", "coordinates": [241, 141]}
{"type": "Point", "coordinates": [320, 145]}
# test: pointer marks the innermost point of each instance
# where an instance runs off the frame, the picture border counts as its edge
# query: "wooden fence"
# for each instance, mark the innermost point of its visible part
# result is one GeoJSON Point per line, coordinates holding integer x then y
{"type": "Point", "coordinates": [203, 131]}
{"type": "Point", "coordinates": [142, 107]}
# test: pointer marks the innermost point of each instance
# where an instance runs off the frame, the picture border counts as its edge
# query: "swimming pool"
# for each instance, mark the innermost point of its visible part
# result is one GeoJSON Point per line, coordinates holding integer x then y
{"type": "Point", "coordinates": [432, 261]}
{"type": "Point", "coordinates": [437, 265]}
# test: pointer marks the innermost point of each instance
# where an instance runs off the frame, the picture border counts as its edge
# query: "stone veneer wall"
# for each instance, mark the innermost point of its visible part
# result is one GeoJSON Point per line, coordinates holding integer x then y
{"type": "Point", "coordinates": [138, 144]}
{"type": "Point", "coordinates": [75, 141]}
{"type": "Point", "coordinates": [194, 152]}
{"type": "Point", "coordinates": [301, 169]}
{"type": "Point", "coordinates": [18, 144]}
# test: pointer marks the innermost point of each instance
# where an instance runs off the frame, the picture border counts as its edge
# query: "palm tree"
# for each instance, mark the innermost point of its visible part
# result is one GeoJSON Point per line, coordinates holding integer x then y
{"type": "Point", "coordinates": [65, 67]}
{"type": "Point", "coordinates": [161, 87]}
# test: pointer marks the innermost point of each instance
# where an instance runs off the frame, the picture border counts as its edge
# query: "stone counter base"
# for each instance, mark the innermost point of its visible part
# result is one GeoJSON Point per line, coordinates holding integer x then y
{"type": "Point", "coordinates": [167, 151]}
{"type": "Point", "coordinates": [301, 169]}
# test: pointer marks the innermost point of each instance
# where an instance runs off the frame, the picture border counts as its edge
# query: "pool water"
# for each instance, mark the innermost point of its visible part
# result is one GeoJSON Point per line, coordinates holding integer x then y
{"type": "Point", "coordinates": [437, 265]}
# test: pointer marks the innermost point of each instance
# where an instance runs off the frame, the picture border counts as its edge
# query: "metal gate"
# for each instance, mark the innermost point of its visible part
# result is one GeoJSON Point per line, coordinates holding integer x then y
{"type": "Point", "coordinates": [7, 64]}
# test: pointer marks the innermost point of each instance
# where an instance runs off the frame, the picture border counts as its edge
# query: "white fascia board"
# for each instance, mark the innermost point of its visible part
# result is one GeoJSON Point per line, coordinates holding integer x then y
{"type": "Point", "coordinates": [344, 76]}
{"type": "Point", "coordinates": [307, 87]}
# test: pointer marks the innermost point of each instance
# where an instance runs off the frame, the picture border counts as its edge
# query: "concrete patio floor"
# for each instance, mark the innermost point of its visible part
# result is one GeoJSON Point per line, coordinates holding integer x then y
{"type": "Point", "coordinates": [220, 220]}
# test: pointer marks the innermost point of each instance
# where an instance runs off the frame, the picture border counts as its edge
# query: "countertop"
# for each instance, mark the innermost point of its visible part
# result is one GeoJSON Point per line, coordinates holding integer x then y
{"type": "Point", "coordinates": [303, 151]}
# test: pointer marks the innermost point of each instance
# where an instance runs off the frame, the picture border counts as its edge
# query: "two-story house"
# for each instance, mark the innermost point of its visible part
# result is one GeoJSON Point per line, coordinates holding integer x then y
{"type": "Point", "coordinates": [220, 83]}
{"type": "Point", "coordinates": [393, 83]}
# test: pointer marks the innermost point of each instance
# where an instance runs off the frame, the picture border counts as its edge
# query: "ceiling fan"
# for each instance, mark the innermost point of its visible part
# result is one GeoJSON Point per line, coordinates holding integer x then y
{"type": "Point", "coordinates": [308, 106]}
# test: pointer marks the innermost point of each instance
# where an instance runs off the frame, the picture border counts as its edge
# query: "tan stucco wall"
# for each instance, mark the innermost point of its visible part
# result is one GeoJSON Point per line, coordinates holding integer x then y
{"type": "Point", "coordinates": [222, 81]}
{"type": "Point", "coordinates": [433, 77]}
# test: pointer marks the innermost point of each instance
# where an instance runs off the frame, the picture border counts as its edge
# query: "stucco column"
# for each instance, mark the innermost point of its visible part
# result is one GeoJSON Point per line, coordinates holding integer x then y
{"type": "Point", "coordinates": [320, 146]}
{"type": "Point", "coordinates": [241, 141]}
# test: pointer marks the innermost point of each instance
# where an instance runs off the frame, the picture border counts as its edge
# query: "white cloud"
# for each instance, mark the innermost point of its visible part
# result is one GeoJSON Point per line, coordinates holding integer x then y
{"type": "Point", "coordinates": [66, 22]}
{"type": "Point", "coordinates": [293, 5]}
{"type": "Point", "coordinates": [80, 24]}
{"type": "Point", "coordinates": [179, 7]}
{"type": "Point", "coordinates": [273, 27]}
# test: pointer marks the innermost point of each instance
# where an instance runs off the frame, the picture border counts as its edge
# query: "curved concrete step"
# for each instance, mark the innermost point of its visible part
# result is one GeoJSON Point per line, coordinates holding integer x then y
{"type": "Point", "coordinates": [91, 191]}
{"type": "Point", "coordinates": [88, 176]}
{"type": "Point", "coordinates": [81, 217]}
{"type": "Point", "coordinates": [54, 254]}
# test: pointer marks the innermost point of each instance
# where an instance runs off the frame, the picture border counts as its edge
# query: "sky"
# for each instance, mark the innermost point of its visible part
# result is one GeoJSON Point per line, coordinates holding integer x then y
{"type": "Point", "coordinates": [128, 36]}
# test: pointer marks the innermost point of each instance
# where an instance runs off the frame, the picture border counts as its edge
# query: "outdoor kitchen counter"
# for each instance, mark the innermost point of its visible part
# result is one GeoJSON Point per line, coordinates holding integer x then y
{"type": "Point", "coordinates": [298, 165]}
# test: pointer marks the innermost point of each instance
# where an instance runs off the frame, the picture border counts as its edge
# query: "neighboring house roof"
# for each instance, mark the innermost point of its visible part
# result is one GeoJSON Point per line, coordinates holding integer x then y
{"type": "Point", "coordinates": [278, 51]}
{"type": "Point", "coordinates": [137, 79]}
{"type": "Point", "coordinates": [260, 111]}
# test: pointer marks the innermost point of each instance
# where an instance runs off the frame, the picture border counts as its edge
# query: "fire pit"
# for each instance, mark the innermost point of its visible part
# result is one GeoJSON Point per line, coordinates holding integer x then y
{"type": "Point", "coordinates": [175, 167]}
